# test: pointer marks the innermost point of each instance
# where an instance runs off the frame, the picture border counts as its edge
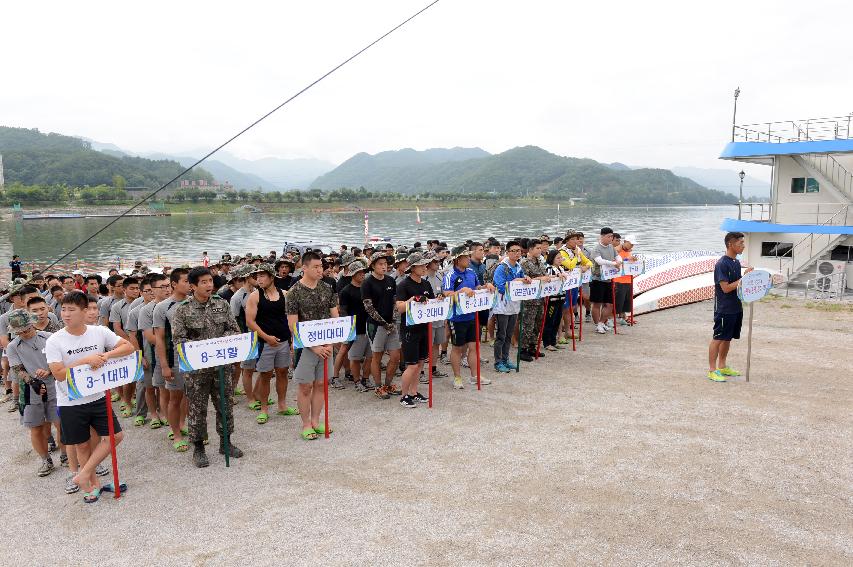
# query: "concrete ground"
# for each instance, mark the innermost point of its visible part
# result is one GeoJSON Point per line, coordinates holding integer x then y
{"type": "Point", "coordinates": [620, 453]}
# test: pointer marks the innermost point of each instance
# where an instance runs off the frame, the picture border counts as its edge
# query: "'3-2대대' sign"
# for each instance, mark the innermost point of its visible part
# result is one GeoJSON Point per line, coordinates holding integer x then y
{"type": "Point", "coordinates": [429, 311]}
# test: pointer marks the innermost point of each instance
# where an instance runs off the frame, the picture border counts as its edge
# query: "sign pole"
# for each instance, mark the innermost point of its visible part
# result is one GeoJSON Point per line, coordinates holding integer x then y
{"type": "Point", "coordinates": [632, 300]}
{"type": "Point", "coordinates": [477, 327]}
{"type": "Point", "coordinates": [542, 326]}
{"type": "Point", "coordinates": [613, 292]}
{"type": "Point", "coordinates": [749, 343]}
{"type": "Point", "coordinates": [580, 313]}
{"type": "Point", "coordinates": [111, 429]}
{"type": "Point", "coordinates": [520, 334]}
{"type": "Point", "coordinates": [326, 394]}
{"type": "Point", "coordinates": [572, 320]}
{"type": "Point", "coordinates": [226, 437]}
{"type": "Point", "coordinates": [429, 362]}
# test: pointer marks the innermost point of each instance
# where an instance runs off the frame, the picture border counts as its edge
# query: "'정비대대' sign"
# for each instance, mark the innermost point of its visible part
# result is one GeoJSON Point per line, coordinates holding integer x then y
{"type": "Point", "coordinates": [84, 380]}
{"type": "Point", "coordinates": [217, 351]}
{"type": "Point", "coordinates": [429, 311]}
{"type": "Point", "coordinates": [520, 291]}
{"type": "Point", "coordinates": [754, 285]}
{"type": "Point", "coordinates": [483, 299]}
{"type": "Point", "coordinates": [324, 332]}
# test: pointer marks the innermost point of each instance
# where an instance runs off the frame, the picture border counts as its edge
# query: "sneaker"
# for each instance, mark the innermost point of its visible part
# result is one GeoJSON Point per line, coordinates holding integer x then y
{"type": "Point", "coordinates": [442, 358]}
{"type": "Point", "coordinates": [465, 362]}
{"type": "Point", "coordinates": [13, 407]}
{"type": "Point", "coordinates": [715, 376]}
{"type": "Point", "coordinates": [51, 444]}
{"type": "Point", "coordinates": [622, 322]}
{"type": "Point", "coordinates": [728, 371]}
{"type": "Point", "coordinates": [483, 381]}
{"type": "Point", "coordinates": [526, 356]}
{"type": "Point", "coordinates": [101, 470]}
{"type": "Point", "coordinates": [423, 379]}
{"type": "Point", "coordinates": [63, 460]}
{"type": "Point", "coordinates": [457, 383]}
{"type": "Point", "coordinates": [394, 389]}
{"type": "Point", "coordinates": [588, 318]}
{"type": "Point", "coordinates": [420, 398]}
{"type": "Point", "coordinates": [382, 393]}
{"type": "Point", "coordinates": [439, 373]}
{"type": "Point", "coordinates": [501, 367]}
{"type": "Point", "coordinates": [510, 365]}
{"type": "Point", "coordinates": [360, 387]}
{"type": "Point", "coordinates": [337, 384]}
{"type": "Point", "coordinates": [408, 402]}
{"type": "Point", "coordinates": [70, 487]}
{"type": "Point", "coordinates": [349, 377]}
{"type": "Point", "coordinates": [551, 348]}
{"type": "Point", "coordinates": [484, 360]}
{"type": "Point", "coordinates": [369, 384]}
{"type": "Point", "coordinates": [46, 467]}
{"type": "Point", "coordinates": [6, 398]}
{"type": "Point", "coordinates": [600, 329]}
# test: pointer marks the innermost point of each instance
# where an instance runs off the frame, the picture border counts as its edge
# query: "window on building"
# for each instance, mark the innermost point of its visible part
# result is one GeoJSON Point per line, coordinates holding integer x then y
{"type": "Point", "coordinates": [776, 249]}
{"type": "Point", "coordinates": [804, 185]}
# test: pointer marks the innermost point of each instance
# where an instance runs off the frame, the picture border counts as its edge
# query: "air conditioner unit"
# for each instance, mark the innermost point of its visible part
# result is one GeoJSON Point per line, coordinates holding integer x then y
{"type": "Point", "coordinates": [829, 274]}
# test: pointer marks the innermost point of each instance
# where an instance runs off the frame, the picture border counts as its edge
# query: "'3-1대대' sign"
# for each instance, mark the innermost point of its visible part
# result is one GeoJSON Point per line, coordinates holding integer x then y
{"type": "Point", "coordinates": [754, 285]}
{"type": "Point", "coordinates": [429, 311]}
{"type": "Point", "coordinates": [217, 351]}
{"type": "Point", "coordinates": [520, 291]}
{"type": "Point", "coordinates": [321, 332]}
{"type": "Point", "coordinates": [84, 380]}
{"type": "Point", "coordinates": [482, 299]}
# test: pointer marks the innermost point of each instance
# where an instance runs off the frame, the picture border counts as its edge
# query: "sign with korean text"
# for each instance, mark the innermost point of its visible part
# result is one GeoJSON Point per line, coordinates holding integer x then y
{"type": "Point", "coordinates": [429, 311]}
{"type": "Point", "coordinates": [633, 268]}
{"type": "Point", "coordinates": [554, 287]}
{"type": "Point", "coordinates": [610, 272]}
{"type": "Point", "coordinates": [483, 299]}
{"type": "Point", "coordinates": [573, 279]}
{"type": "Point", "coordinates": [324, 332]}
{"type": "Point", "coordinates": [520, 291]}
{"type": "Point", "coordinates": [754, 285]}
{"type": "Point", "coordinates": [586, 277]}
{"type": "Point", "coordinates": [84, 380]}
{"type": "Point", "coordinates": [218, 351]}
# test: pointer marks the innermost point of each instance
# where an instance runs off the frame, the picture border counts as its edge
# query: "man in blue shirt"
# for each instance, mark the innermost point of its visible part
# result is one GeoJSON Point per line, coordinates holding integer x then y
{"type": "Point", "coordinates": [462, 279]}
{"type": "Point", "coordinates": [728, 310]}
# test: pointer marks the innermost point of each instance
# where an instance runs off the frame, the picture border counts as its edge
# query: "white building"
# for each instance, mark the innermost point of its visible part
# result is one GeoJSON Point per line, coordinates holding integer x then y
{"type": "Point", "coordinates": [806, 228]}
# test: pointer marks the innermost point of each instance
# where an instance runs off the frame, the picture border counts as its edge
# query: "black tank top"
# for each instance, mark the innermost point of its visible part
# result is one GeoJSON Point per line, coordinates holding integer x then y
{"type": "Point", "coordinates": [272, 316]}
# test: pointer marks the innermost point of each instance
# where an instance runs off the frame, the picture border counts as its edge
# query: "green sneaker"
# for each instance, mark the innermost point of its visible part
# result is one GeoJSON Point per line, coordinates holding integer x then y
{"type": "Point", "coordinates": [728, 371]}
{"type": "Point", "coordinates": [715, 376]}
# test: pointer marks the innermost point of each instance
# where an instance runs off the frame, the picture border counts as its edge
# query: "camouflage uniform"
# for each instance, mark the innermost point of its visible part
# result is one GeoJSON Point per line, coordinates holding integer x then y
{"type": "Point", "coordinates": [195, 321]}
{"type": "Point", "coordinates": [531, 316]}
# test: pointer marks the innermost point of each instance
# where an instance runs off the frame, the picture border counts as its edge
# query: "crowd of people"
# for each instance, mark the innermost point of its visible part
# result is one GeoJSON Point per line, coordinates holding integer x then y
{"type": "Point", "coordinates": [53, 321]}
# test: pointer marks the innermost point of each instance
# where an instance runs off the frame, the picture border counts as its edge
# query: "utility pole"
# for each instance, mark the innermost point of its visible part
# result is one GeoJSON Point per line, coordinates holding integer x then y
{"type": "Point", "coordinates": [734, 114]}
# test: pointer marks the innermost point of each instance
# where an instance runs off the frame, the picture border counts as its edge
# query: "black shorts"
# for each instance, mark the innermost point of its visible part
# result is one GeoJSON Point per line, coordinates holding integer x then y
{"type": "Point", "coordinates": [415, 344]}
{"type": "Point", "coordinates": [463, 332]}
{"type": "Point", "coordinates": [623, 297]}
{"type": "Point", "coordinates": [76, 421]}
{"type": "Point", "coordinates": [483, 317]}
{"type": "Point", "coordinates": [600, 292]}
{"type": "Point", "coordinates": [727, 326]}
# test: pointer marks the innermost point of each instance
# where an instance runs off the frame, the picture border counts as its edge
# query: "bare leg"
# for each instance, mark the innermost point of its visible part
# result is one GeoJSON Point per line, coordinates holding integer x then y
{"type": "Point", "coordinates": [391, 369]}
{"type": "Point", "coordinates": [247, 384]}
{"type": "Point", "coordinates": [724, 353]}
{"type": "Point", "coordinates": [316, 403]}
{"type": "Point", "coordinates": [713, 352]}
{"type": "Point", "coordinates": [38, 438]}
{"type": "Point", "coordinates": [262, 390]}
{"type": "Point", "coordinates": [410, 378]}
{"type": "Point", "coordinates": [281, 387]}
{"type": "Point", "coordinates": [176, 398]}
{"type": "Point", "coordinates": [303, 400]}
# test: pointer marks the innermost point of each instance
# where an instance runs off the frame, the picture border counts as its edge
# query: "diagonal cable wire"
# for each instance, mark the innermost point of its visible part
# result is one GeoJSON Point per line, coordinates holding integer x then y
{"type": "Point", "coordinates": [246, 129]}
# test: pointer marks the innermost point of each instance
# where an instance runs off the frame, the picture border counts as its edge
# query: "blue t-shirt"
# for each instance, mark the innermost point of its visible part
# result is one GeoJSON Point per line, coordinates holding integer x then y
{"type": "Point", "coordinates": [456, 280]}
{"type": "Point", "coordinates": [726, 270]}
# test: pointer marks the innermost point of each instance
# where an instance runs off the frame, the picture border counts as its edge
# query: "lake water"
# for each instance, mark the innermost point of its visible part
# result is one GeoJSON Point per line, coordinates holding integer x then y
{"type": "Point", "coordinates": [184, 237]}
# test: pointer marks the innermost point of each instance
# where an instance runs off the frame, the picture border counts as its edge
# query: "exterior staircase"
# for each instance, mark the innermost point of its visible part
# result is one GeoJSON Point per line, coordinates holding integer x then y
{"type": "Point", "coordinates": [812, 247]}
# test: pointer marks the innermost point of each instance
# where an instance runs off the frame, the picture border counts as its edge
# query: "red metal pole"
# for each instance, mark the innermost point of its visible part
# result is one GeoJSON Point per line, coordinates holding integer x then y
{"type": "Point", "coordinates": [580, 312]}
{"type": "Point", "coordinates": [326, 393]}
{"type": "Point", "coordinates": [112, 432]}
{"type": "Point", "coordinates": [613, 292]}
{"type": "Point", "coordinates": [572, 320]}
{"type": "Point", "coordinates": [477, 328]}
{"type": "Point", "coordinates": [429, 355]}
{"type": "Point", "coordinates": [542, 326]}
{"type": "Point", "coordinates": [632, 300]}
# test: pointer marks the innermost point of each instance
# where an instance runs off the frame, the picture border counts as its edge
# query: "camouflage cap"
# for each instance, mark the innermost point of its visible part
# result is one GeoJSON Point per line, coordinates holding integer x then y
{"type": "Point", "coordinates": [402, 257]}
{"type": "Point", "coordinates": [458, 251]}
{"type": "Point", "coordinates": [262, 267]}
{"type": "Point", "coordinates": [347, 258]}
{"type": "Point", "coordinates": [257, 257]}
{"type": "Point", "coordinates": [354, 267]}
{"type": "Point", "coordinates": [238, 272]}
{"type": "Point", "coordinates": [417, 259]}
{"type": "Point", "coordinates": [20, 320]}
{"type": "Point", "coordinates": [378, 256]}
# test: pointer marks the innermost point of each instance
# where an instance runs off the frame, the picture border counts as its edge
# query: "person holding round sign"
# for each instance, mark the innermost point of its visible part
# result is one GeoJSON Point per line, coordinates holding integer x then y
{"type": "Point", "coordinates": [311, 299]}
{"type": "Point", "coordinates": [728, 310]}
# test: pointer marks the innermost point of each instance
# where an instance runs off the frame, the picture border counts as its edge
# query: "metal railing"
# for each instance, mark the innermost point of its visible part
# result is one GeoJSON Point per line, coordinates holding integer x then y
{"type": "Point", "coordinates": [755, 211]}
{"type": "Point", "coordinates": [834, 172]}
{"type": "Point", "coordinates": [808, 130]}
{"type": "Point", "coordinates": [805, 250]}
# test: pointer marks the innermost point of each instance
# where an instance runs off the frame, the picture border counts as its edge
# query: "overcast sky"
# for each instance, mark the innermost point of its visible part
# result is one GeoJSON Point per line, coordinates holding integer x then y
{"type": "Point", "coordinates": [643, 83]}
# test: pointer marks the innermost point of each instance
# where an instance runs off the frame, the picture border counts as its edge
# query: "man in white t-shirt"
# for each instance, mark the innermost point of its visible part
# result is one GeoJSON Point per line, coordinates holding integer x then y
{"type": "Point", "coordinates": [75, 345]}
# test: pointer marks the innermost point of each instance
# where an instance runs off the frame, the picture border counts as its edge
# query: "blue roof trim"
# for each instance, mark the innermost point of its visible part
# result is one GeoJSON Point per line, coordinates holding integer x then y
{"type": "Point", "coordinates": [763, 149]}
{"type": "Point", "coordinates": [734, 225]}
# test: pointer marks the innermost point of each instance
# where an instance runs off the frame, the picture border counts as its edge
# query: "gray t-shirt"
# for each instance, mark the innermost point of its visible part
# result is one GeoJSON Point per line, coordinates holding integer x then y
{"type": "Point", "coordinates": [145, 322]}
{"type": "Point", "coordinates": [30, 354]}
{"type": "Point", "coordinates": [238, 301]}
{"type": "Point", "coordinates": [607, 252]}
{"type": "Point", "coordinates": [163, 311]}
{"type": "Point", "coordinates": [104, 306]}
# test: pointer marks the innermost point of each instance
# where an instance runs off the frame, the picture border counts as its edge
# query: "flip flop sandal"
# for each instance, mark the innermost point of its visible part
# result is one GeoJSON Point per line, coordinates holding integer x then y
{"type": "Point", "coordinates": [114, 397]}
{"type": "Point", "coordinates": [139, 421]}
{"type": "Point", "coordinates": [156, 424]}
{"type": "Point", "coordinates": [182, 446]}
{"type": "Point", "coordinates": [270, 401]}
{"type": "Point", "coordinates": [255, 406]}
{"type": "Point", "coordinates": [321, 429]}
{"type": "Point", "coordinates": [239, 392]}
{"type": "Point", "coordinates": [122, 406]}
{"type": "Point", "coordinates": [164, 422]}
{"type": "Point", "coordinates": [171, 435]}
{"type": "Point", "coordinates": [110, 488]}
{"type": "Point", "coordinates": [185, 431]}
{"type": "Point", "coordinates": [92, 497]}
{"type": "Point", "coordinates": [262, 418]}
{"type": "Point", "coordinates": [288, 411]}
{"type": "Point", "coordinates": [309, 434]}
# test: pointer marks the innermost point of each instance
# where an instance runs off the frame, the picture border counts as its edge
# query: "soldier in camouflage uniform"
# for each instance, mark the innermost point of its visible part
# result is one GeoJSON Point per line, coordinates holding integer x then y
{"type": "Point", "coordinates": [205, 316]}
{"type": "Point", "coordinates": [531, 318]}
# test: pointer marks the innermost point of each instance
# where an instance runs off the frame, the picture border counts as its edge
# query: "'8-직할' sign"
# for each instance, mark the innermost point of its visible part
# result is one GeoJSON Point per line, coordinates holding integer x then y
{"type": "Point", "coordinates": [84, 380]}
{"type": "Point", "coordinates": [324, 332]}
{"type": "Point", "coordinates": [218, 351]}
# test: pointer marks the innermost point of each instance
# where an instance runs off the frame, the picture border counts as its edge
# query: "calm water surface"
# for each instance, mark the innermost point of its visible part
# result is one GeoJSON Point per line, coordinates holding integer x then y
{"type": "Point", "coordinates": [184, 237]}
